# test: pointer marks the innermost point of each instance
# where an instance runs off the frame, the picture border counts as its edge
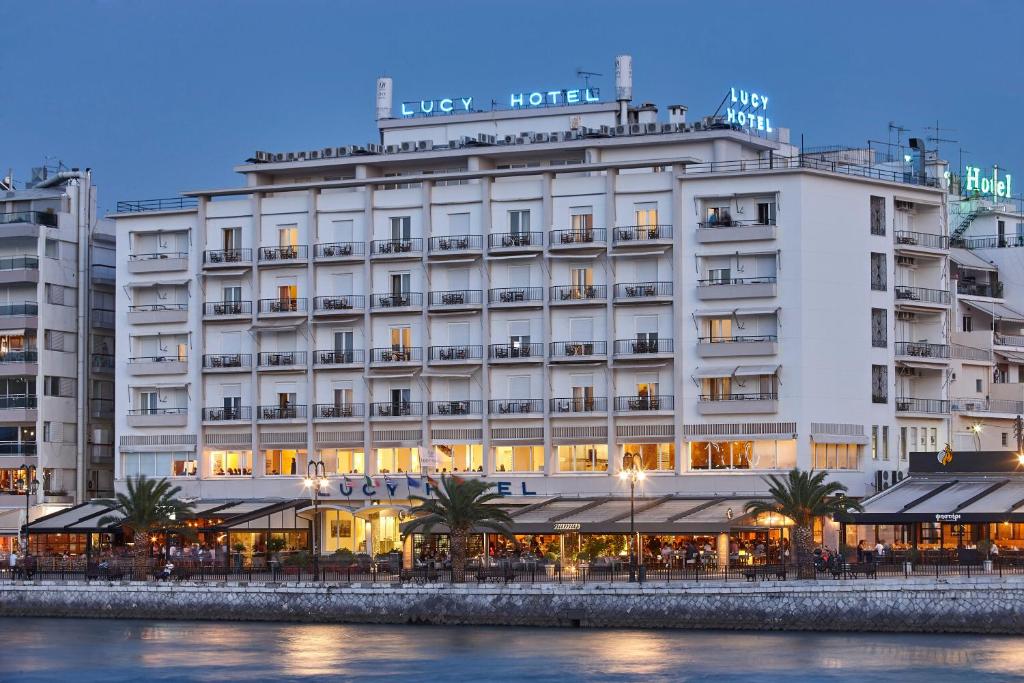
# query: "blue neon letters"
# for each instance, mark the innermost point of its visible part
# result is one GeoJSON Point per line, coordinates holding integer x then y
{"type": "Point", "coordinates": [749, 110]}
{"type": "Point", "coordinates": [539, 98]}
{"type": "Point", "coordinates": [445, 105]}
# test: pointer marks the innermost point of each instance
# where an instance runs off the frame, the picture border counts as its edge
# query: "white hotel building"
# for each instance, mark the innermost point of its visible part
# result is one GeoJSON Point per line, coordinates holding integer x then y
{"type": "Point", "coordinates": [530, 295]}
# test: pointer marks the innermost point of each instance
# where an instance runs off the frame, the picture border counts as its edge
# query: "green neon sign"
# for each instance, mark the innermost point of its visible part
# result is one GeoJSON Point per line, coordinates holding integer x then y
{"type": "Point", "coordinates": [975, 183]}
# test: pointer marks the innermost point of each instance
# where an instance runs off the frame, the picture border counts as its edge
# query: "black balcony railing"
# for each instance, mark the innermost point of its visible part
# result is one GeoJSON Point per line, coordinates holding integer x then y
{"type": "Point", "coordinates": [746, 396]}
{"type": "Point", "coordinates": [578, 292]}
{"type": "Point", "coordinates": [922, 405]}
{"type": "Point", "coordinates": [158, 359]}
{"type": "Point", "coordinates": [158, 255]}
{"type": "Point", "coordinates": [456, 297]}
{"type": "Point", "coordinates": [151, 308]}
{"type": "Point", "coordinates": [637, 347]}
{"type": "Point", "coordinates": [565, 238]}
{"type": "Point", "coordinates": [396, 354]}
{"type": "Point", "coordinates": [920, 239]}
{"type": "Point", "coordinates": [282, 412]}
{"type": "Point", "coordinates": [456, 243]}
{"type": "Point", "coordinates": [348, 302]}
{"type": "Point", "coordinates": [337, 411]}
{"type": "Point", "coordinates": [396, 300]}
{"type": "Point", "coordinates": [338, 249]}
{"type": "Point", "coordinates": [273, 359]}
{"type": "Point", "coordinates": [731, 223]}
{"type": "Point", "coordinates": [579, 405]}
{"type": "Point", "coordinates": [989, 289]}
{"type": "Point", "coordinates": [293, 253]}
{"type": "Point", "coordinates": [18, 401]}
{"type": "Point", "coordinates": [399, 247]}
{"type": "Point", "coordinates": [32, 356]}
{"type": "Point", "coordinates": [514, 351]}
{"type": "Point", "coordinates": [338, 357]}
{"type": "Point", "coordinates": [625, 234]}
{"type": "Point", "coordinates": [514, 295]}
{"type": "Point", "coordinates": [569, 349]}
{"type": "Point", "coordinates": [222, 256]}
{"type": "Point", "coordinates": [455, 353]}
{"type": "Point", "coordinates": [449, 408]}
{"type": "Point", "coordinates": [157, 411]}
{"type": "Point", "coordinates": [215, 308]}
{"type": "Point", "coordinates": [643, 403]}
{"type": "Point", "coordinates": [922, 294]}
{"type": "Point", "coordinates": [19, 263]}
{"type": "Point", "coordinates": [515, 406]}
{"type": "Point", "coordinates": [167, 204]}
{"type": "Point", "coordinates": [34, 217]}
{"type": "Point", "coordinates": [227, 360]}
{"type": "Point", "coordinates": [515, 240]}
{"type": "Point", "coordinates": [283, 305]}
{"type": "Point", "coordinates": [642, 290]}
{"type": "Point", "coordinates": [396, 409]}
{"type": "Point", "coordinates": [711, 282]}
{"type": "Point", "coordinates": [31, 308]}
{"type": "Point", "coordinates": [738, 339]}
{"type": "Point", "coordinates": [224, 414]}
{"type": "Point", "coordinates": [922, 350]}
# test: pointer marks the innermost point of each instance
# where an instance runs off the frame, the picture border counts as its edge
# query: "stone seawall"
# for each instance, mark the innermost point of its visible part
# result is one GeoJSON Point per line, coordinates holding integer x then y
{"type": "Point", "coordinates": [954, 605]}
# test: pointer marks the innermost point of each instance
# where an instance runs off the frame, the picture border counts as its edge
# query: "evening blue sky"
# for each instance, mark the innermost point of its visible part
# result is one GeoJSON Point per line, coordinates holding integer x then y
{"type": "Point", "coordinates": [158, 98]}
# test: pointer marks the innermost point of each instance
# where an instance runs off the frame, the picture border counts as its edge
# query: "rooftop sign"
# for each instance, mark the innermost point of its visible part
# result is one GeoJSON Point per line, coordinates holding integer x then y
{"type": "Point", "coordinates": [517, 100]}
{"type": "Point", "coordinates": [975, 183]}
{"type": "Point", "coordinates": [749, 110]}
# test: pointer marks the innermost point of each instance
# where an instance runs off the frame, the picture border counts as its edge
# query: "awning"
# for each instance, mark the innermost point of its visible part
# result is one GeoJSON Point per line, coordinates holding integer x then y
{"type": "Point", "coordinates": [861, 439]}
{"type": "Point", "coordinates": [706, 373]}
{"type": "Point", "coordinates": [952, 497]}
{"type": "Point", "coordinates": [727, 312]}
{"type": "Point", "coordinates": [968, 259]}
{"type": "Point", "coordinates": [996, 310]}
{"type": "Point", "coordinates": [159, 385]}
{"type": "Point", "coordinates": [755, 370]}
{"type": "Point", "coordinates": [234, 272]}
{"type": "Point", "coordinates": [922, 366]}
{"type": "Point", "coordinates": [1012, 357]}
{"type": "Point", "coordinates": [162, 283]}
{"type": "Point", "coordinates": [276, 325]}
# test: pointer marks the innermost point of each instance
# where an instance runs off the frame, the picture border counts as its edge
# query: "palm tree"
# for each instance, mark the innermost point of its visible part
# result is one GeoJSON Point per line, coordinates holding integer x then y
{"type": "Point", "coordinates": [149, 504]}
{"type": "Point", "coordinates": [802, 496]}
{"type": "Point", "coordinates": [461, 505]}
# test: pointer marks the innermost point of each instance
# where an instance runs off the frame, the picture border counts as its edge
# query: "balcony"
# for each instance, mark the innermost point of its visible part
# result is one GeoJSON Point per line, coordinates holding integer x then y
{"type": "Point", "coordinates": [1008, 340]}
{"type": "Point", "coordinates": [922, 351]}
{"type": "Point", "coordinates": [592, 404]}
{"type": "Point", "coordinates": [338, 305]}
{"type": "Point", "coordinates": [338, 357]}
{"type": "Point", "coordinates": [20, 362]}
{"type": "Point", "coordinates": [516, 353]}
{"type": "Point", "coordinates": [456, 299]}
{"type": "Point", "coordinates": [578, 294]}
{"type": "Point", "coordinates": [30, 309]}
{"type": "Point", "coordinates": [227, 362]}
{"type": "Point", "coordinates": [162, 204]}
{"type": "Point", "coordinates": [734, 231]}
{"type": "Point", "coordinates": [396, 409]}
{"type": "Point", "coordinates": [140, 366]}
{"type": "Point", "coordinates": [644, 404]}
{"type": "Point", "coordinates": [928, 406]}
{"type": "Point", "coordinates": [283, 307]}
{"type": "Point", "coordinates": [102, 362]}
{"type": "Point", "coordinates": [991, 290]}
{"type": "Point", "coordinates": [919, 242]}
{"type": "Point", "coordinates": [642, 235]}
{"type": "Point", "coordinates": [396, 249]}
{"type": "Point", "coordinates": [736, 288]}
{"type": "Point", "coordinates": [101, 408]}
{"type": "Point", "coordinates": [157, 262]}
{"type": "Point", "coordinates": [396, 355]}
{"type": "Point", "coordinates": [103, 274]}
{"type": "Point", "coordinates": [456, 245]}
{"type": "Point", "coordinates": [339, 251]}
{"type": "Point", "coordinates": [743, 345]}
{"type": "Point", "coordinates": [233, 414]}
{"type": "Point", "coordinates": [454, 408]}
{"type": "Point", "coordinates": [281, 360]}
{"type": "Point", "coordinates": [575, 239]}
{"type": "Point", "coordinates": [157, 314]}
{"type": "Point", "coordinates": [101, 453]}
{"type": "Point", "coordinates": [227, 310]}
{"type": "Point", "coordinates": [295, 255]}
{"type": "Point", "coordinates": [642, 348]}
{"type": "Point", "coordinates": [931, 298]}
{"type": "Point", "coordinates": [338, 411]}
{"type": "Point", "coordinates": [282, 412]}
{"type": "Point", "coordinates": [19, 269]}
{"type": "Point", "coordinates": [515, 407]}
{"type": "Point", "coordinates": [753, 403]}
{"type": "Point", "coordinates": [230, 258]}
{"type": "Point", "coordinates": [643, 292]}
{"type": "Point", "coordinates": [48, 220]}
{"type": "Point", "coordinates": [514, 242]}
{"type": "Point", "coordinates": [399, 302]}
{"type": "Point", "coordinates": [515, 297]}
{"type": "Point", "coordinates": [157, 417]}
{"type": "Point", "coordinates": [578, 350]}
{"type": "Point", "coordinates": [455, 354]}
{"type": "Point", "coordinates": [1004, 407]}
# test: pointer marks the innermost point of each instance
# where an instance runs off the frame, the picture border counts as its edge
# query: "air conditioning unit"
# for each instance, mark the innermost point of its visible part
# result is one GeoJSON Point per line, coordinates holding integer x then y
{"type": "Point", "coordinates": [906, 261]}
{"type": "Point", "coordinates": [526, 137]}
{"type": "Point", "coordinates": [313, 154]}
{"type": "Point", "coordinates": [371, 149]}
{"type": "Point", "coordinates": [457, 144]}
{"type": "Point", "coordinates": [883, 480]}
{"type": "Point", "coordinates": [669, 128]}
{"type": "Point", "coordinates": [300, 156]}
{"type": "Point", "coordinates": [509, 139]}
{"type": "Point", "coordinates": [485, 139]}
{"type": "Point", "coordinates": [289, 156]}
{"type": "Point", "coordinates": [392, 149]}
{"type": "Point", "coordinates": [262, 157]}
{"type": "Point", "coordinates": [408, 146]}
{"type": "Point", "coordinates": [568, 135]}
{"type": "Point", "coordinates": [519, 140]}
{"type": "Point", "coordinates": [636, 129]}
{"type": "Point", "coordinates": [650, 128]}
{"type": "Point", "coordinates": [621, 130]}
{"type": "Point", "coordinates": [897, 476]}
{"type": "Point", "coordinates": [422, 145]}
{"type": "Point", "coordinates": [278, 157]}
{"type": "Point", "coordinates": [327, 153]}
{"type": "Point", "coordinates": [906, 316]}
{"type": "Point", "coordinates": [539, 137]}
{"type": "Point", "coordinates": [342, 151]}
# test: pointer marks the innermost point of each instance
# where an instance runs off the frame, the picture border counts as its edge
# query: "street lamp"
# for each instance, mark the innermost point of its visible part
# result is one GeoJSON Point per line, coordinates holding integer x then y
{"type": "Point", "coordinates": [30, 485]}
{"type": "Point", "coordinates": [632, 471]}
{"type": "Point", "coordinates": [316, 481]}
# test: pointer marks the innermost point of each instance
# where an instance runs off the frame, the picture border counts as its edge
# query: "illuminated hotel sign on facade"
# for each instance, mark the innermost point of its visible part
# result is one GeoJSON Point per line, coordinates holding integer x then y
{"type": "Point", "coordinates": [975, 183]}
{"type": "Point", "coordinates": [749, 110]}
{"type": "Point", "coordinates": [518, 100]}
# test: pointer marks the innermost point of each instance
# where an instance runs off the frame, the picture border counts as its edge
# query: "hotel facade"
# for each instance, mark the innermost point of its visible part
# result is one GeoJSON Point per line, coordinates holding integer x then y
{"type": "Point", "coordinates": [534, 296]}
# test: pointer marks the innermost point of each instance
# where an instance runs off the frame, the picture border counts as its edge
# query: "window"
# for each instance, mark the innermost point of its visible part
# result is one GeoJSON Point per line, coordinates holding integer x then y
{"type": "Point", "coordinates": [59, 386]}
{"type": "Point", "coordinates": [766, 213]}
{"type": "Point", "coordinates": [344, 460]}
{"type": "Point", "coordinates": [52, 248]}
{"type": "Point", "coordinates": [1004, 439]}
{"type": "Point", "coordinates": [583, 458]}
{"type": "Point", "coordinates": [718, 215]}
{"type": "Point", "coordinates": [401, 460]}
{"type": "Point", "coordinates": [1001, 232]}
{"type": "Point", "coordinates": [401, 284]}
{"type": "Point", "coordinates": [287, 236]}
{"type": "Point", "coordinates": [231, 463]}
{"type": "Point", "coordinates": [719, 329]}
{"type": "Point", "coordinates": [458, 224]}
{"type": "Point", "coordinates": [879, 384]}
{"type": "Point", "coordinates": [401, 338]}
{"type": "Point", "coordinates": [656, 457]}
{"type": "Point", "coordinates": [877, 215]}
{"type": "Point", "coordinates": [458, 458]}
{"type": "Point", "coordinates": [284, 462]}
{"type": "Point", "coordinates": [904, 445]}
{"type": "Point", "coordinates": [158, 464]}
{"type": "Point", "coordinates": [646, 214]}
{"type": "Point", "coordinates": [518, 222]}
{"type": "Point", "coordinates": [879, 328]}
{"type": "Point", "coordinates": [582, 280]}
{"type": "Point", "coordinates": [401, 228]}
{"type": "Point", "coordinates": [878, 272]}
{"type": "Point", "coordinates": [232, 238]}
{"type": "Point", "coordinates": [742, 455]}
{"type": "Point", "coordinates": [978, 386]}
{"type": "Point", "coordinates": [719, 276]}
{"type": "Point", "coordinates": [65, 296]}
{"type": "Point", "coordinates": [519, 459]}
{"type": "Point", "coordinates": [56, 340]}
{"type": "Point", "coordinates": [874, 442]}
{"type": "Point", "coordinates": [582, 222]}
{"type": "Point", "coordinates": [836, 456]}
{"type": "Point", "coordinates": [885, 442]}
{"type": "Point", "coordinates": [967, 323]}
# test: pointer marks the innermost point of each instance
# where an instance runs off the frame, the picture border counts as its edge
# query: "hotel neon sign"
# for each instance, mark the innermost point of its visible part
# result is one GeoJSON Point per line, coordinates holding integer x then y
{"type": "Point", "coordinates": [518, 100]}
{"type": "Point", "coordinates": [975, 183]}
{"type": "Point", "coordinates": [748, 110]}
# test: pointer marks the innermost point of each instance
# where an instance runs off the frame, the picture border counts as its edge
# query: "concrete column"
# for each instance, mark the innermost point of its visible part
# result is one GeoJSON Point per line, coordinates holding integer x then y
{"type": "Point", "coordinates": [545, 321]}
{"type": "Point", "coordinates": [485, 336]}
{"type": "Point", "coordinates": [311, 227]}
{"type": "Point", "coordinates": [723, 550]}
{"type": "Point", "coordinates": [679, 315]}
{"type": "Point", "coordinates": [256, 202]}
{"type": "Point", "coordinates": [426, 442]}
{"type": "Point", "coordinates": [611, 379]}
{"type": "Point", "coordinates": [368, 454]}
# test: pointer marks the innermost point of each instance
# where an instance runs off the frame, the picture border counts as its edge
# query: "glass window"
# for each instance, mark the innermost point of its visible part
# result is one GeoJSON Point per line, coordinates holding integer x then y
{"type": "Point", "coordinates": [460, 457]}
{"type": "Point", "coordinates": [519, 459]}
{"type": "Point", "coordinates": [158, 464]}
{"type": "Point", "coordinates": [583, 458]}
{"type": "Point", "coordinates": [836, 456]}
{"type": "Point", "coordinates": [656, 457]}
{"type": "Point", "coordinates": [284, 462]}
{"type": "Point", "coordinates": [398, 460]}
{"type": "Point", "coordinates": [741, 455]}
{"type": "Point", "coordinates": [231, 463]}
{"type": "Point", "coordinates": [518, 222]}
{"type": "Point", "coordinates": [343, 460]}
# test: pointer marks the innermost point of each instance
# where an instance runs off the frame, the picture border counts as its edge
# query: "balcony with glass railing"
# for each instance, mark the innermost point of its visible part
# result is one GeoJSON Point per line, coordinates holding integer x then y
{"type": "Point", "coordinates": [159, 261]}
{"type": "Point", "coordinates": [718, 346]}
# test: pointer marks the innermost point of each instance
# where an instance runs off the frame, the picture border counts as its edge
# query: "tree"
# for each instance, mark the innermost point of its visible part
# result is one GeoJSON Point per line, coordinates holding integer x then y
{"type": "Point", "coordinates": [149, 505]}
{"type": "Point", "coordinates": [461, 505]}
{"type": "Point", "coordinates": [802, 496]}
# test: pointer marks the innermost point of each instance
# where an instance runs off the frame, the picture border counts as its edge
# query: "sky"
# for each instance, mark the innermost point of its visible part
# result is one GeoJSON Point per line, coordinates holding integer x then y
{"type": "Point", "coordinates": [163, 97]}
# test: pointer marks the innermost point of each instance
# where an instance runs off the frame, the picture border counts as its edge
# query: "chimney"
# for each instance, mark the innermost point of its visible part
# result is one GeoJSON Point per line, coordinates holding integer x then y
{"type": "Point", "coordinates": [383, 98]}
{"type": "Point", "coordinates": [677, 113]}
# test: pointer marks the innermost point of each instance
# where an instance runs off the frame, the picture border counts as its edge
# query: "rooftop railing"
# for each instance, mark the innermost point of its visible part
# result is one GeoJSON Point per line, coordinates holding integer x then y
{"type": "Point", "coordinates": [165, 204]}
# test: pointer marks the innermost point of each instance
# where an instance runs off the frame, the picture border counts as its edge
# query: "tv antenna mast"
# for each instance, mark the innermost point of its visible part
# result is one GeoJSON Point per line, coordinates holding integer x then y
{"type": "Point", "coordinates": [586, 75]}
{"type": "Point", "coordinates": [936, 135]}
{"type": "Point", "coordinates": [900, 130]}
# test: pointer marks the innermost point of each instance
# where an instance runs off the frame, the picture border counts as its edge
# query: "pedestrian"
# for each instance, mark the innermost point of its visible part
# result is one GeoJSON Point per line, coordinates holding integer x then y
{"type": "Point", "coordinates": [13, 561]}
{"type": "Point", "coordinates": [879, 550]}
{"type": "Point", "coordinates": [860, 550]}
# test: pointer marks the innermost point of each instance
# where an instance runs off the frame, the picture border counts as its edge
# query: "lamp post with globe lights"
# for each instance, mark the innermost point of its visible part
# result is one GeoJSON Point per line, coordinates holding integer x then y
{"type": "Point", "coordinates": [316, 482]}
{"type": "Point", "coordinates": [30, 485]}
{"type": "Point", "coordinates": [633, 472]}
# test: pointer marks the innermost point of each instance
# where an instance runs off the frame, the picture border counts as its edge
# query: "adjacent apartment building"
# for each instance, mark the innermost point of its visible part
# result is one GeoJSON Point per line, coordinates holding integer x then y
{"type": "Point", "coordinates": [56, 347]}
{"type": "Point", "coordinates": [537, 295]}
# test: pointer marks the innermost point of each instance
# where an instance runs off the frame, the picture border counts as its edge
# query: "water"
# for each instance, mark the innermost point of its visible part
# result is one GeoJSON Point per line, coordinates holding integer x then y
{"type": "Point", "coordinates": [110, 651]}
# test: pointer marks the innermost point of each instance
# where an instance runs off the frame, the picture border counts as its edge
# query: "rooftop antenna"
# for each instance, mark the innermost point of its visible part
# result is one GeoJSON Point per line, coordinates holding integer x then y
{"type": "Point", "coordinates": [936, 135]}
{"type": "Point", "coordinates": [900, 130]}
{"type": "Point", "coordinates": [586, 75]}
